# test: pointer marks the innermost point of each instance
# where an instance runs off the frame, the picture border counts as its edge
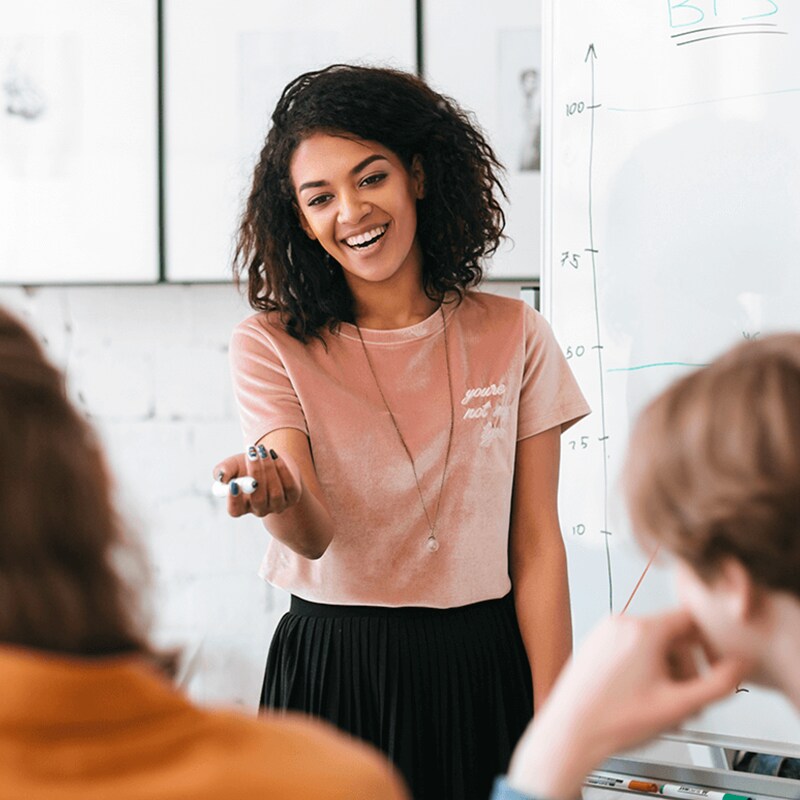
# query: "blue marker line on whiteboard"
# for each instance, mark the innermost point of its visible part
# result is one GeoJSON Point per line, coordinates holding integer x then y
{"type": "Point", "coordinates": [684, 792]}
{"type": "Point", "coordinates": [656, 364]}
{"type": "Point", "coordinates": [246, 484]}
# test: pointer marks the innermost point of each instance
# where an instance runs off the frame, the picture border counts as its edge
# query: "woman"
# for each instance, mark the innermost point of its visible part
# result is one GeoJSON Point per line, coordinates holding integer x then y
{"type": "Point", "coordinates": [713, 478]}
{"type": "Point", "coordinates": [403, 431]}
{"type": "Point", "coordinates": [86, 710]}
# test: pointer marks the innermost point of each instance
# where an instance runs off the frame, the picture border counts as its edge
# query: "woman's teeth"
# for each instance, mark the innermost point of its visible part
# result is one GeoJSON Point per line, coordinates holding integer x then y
{"type": "Point", "coordinates": [367, 238]}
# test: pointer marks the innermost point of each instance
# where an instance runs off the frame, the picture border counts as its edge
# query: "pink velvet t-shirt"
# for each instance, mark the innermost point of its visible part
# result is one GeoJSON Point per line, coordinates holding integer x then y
{"type": "Point", "coordinates": [510, 381]}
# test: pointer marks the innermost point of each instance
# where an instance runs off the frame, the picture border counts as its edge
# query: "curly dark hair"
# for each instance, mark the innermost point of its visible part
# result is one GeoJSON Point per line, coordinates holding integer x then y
{"type": "Point", "coordinates": [459, 221]}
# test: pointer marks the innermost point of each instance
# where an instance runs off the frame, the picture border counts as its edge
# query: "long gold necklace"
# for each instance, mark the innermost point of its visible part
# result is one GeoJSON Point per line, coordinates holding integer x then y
{"type": "Point", "coordinates": [431, 542]}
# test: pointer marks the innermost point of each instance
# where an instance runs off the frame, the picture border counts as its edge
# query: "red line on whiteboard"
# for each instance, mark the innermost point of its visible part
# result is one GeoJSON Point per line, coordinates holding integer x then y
{"type": "Point", "coordinates": [641, 578]}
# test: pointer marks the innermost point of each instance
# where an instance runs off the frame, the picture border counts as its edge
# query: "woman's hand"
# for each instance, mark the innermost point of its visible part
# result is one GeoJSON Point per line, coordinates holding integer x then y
{"type": "Point", "coordinates": [278, 483]}
{"type": "Point", "coordinates": [630, 680]}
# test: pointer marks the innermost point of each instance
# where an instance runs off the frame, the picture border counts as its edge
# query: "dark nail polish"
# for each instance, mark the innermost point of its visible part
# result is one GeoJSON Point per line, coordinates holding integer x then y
{"type": "Point", "coordinates": [255, 484]}
{"type": "Point", "coordinates": [234, 489]}
{"type": "Point", "coordinates": [220, 475]}
{"type": "Point", "coordinates": [251, 453]}
{"type": "Point", "coordinates": [273, 454]}
{"type": "Point", "coordinates": [262, 451]}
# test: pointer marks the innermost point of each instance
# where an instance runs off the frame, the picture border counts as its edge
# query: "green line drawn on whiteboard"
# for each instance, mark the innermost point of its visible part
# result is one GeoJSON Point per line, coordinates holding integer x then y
{"type": "Point", "coordinates": [637, 367]}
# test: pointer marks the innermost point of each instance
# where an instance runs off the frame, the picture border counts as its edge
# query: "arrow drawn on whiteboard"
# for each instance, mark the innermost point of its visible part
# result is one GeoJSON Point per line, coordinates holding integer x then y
{"type": "Point", "coordinates": [591, 57]}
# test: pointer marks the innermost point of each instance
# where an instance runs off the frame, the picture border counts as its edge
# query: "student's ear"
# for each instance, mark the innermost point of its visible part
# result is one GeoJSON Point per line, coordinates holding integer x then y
{"type": "Point", "coordinates": [742, 597]}
{"type": "Point", "coordinates": [418, 177]}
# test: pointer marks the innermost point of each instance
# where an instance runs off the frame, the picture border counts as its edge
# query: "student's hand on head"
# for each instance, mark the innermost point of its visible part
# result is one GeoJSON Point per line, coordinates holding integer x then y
{"type": "Point", "coordinates": [278, 483]}
{"type": "Point", "coordinates": [632, 679]}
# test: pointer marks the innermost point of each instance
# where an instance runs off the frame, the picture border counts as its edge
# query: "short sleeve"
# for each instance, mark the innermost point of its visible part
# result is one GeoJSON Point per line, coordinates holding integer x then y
{"type": "Point", "coordinates": [261, 383]}
{"type": "Point", "coordinates": [549, 394]}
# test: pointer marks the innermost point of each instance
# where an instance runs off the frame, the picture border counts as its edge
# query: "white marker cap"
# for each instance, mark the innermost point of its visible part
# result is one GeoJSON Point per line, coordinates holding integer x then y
{"type": "Point", "coordinates": [246, 483]}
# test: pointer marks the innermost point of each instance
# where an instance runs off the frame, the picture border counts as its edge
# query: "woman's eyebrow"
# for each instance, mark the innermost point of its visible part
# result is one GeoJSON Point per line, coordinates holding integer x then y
{"type": "Point", "coordinates": [356, 169]}
{"type": "Point", "coordinates": [366, 162]}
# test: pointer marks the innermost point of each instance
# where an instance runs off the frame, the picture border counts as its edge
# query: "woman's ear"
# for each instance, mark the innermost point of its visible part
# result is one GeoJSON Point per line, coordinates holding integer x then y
{"type": "Point", "coordinates": [418, 177]}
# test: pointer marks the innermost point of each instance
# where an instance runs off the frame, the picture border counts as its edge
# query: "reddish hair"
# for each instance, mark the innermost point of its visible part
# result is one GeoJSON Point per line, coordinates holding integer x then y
{"type": "Point", "coordinates": [713, 469]}
{"type": "Point", "coordinates": [60, 537]}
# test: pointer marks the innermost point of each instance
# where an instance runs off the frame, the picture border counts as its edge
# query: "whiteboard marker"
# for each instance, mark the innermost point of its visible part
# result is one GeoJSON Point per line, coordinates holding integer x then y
{"type": "Point", "coordinates": [246, 484]}
{"type": "Point", "coordinates": [629, 782]}
{"type": "Point", "coordinates": [684, 792]}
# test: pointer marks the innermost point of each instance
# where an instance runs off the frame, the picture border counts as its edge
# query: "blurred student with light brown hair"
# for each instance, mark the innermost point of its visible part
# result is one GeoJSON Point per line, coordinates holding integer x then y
{"type": "Point", "coordinates": [86, 709]}
{"type": "Point", "coordinates": [712, 478]}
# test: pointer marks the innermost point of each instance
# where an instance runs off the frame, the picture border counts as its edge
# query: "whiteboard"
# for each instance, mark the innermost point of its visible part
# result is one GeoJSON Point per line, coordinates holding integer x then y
{"type": "Point", "coordinates": [671, 200]}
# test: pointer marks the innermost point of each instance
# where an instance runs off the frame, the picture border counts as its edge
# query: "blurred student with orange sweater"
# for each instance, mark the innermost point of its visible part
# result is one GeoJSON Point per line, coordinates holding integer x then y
{"type": "Point", "coordinates": [86, 709]}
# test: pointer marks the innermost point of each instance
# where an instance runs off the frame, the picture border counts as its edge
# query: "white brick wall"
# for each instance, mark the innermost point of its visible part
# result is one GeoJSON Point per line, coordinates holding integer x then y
{"type": "Point", "coordinates": [149, 366]}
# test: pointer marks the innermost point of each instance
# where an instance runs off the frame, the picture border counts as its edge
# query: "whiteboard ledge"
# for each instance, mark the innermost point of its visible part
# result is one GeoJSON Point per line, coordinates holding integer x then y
{"type": "Point", "coordinates": [746, 783]}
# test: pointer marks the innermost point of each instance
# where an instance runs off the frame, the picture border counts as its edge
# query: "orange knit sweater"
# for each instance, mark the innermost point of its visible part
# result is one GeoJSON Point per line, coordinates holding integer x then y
{"type": "Point", "coordinates": [81, 729]}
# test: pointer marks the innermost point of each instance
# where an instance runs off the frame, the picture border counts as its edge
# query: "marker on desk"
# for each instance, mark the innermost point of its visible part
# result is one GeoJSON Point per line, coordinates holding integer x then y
{"type": "Point", "coordinates": [246, 483]}
{"type": "Point", "coordinates": [683, 792]}
{"type": "Point", "coordinates": [628, 782]}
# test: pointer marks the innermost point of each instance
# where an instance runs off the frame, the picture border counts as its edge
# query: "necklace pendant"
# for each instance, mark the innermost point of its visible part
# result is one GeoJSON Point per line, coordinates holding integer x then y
{"type": "Point", "coordinates": [432, 544]}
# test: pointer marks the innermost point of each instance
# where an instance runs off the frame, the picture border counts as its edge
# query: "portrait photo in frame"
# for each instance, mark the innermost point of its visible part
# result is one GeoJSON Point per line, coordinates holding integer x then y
{"type": "Point", "coordinates": [225, 64]}
{"type": "Point", "coordinates": [493, 69]}
{"type": "Point", "coordinates": [79, 142]}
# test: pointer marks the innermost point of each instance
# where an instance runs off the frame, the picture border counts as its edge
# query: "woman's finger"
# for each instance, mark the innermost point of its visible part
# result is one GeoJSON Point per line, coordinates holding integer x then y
{"type": "Point", "coordinates": [238, 502]}
{"type": "Point", "coordinates": [291, 486]}
{"type": "Point", "coordinates": [229, 467]}
{"type": "Point", "coordinates": [275, 495]}
{"type": "Point", "coordinates": [268, 496]}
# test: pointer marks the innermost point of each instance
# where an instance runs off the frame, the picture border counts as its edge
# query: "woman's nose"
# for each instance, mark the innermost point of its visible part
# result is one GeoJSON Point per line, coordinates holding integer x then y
{"type": "Point", "coordinates": [352, 208]}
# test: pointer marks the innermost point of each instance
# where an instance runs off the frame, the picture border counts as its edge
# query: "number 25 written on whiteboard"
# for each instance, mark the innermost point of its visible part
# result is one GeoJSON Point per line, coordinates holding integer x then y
{"type": "Point", "coordinates": [683, 13]}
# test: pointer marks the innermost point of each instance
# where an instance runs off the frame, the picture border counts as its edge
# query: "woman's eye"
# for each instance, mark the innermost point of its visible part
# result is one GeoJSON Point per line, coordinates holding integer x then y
{"type": "Point", "coordinates": [319, 199]}
{"type": "Point", "coordinates": [371, 180]}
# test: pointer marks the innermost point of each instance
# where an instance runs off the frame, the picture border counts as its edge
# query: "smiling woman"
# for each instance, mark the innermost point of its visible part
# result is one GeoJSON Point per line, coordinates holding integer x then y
{"type": "Point", "coordinates": [403, 489]}
{"type": "Point", "coordinates": [391, 114]}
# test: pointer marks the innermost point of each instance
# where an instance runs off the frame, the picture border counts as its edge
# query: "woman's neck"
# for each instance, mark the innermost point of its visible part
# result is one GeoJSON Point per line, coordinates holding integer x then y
{"type": "Point", "coordinates": [379, 308]}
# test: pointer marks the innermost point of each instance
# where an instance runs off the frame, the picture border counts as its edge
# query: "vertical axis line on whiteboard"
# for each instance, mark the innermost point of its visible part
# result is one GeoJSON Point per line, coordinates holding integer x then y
{"type": "Point", "coordinates": [591, 55]}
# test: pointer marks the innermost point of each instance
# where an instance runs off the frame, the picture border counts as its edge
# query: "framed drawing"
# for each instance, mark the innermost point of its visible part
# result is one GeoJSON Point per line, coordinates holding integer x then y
{"type": "Point", "coordinates": [492, 66]}
{"type": "Point", "coordinates": [225, 64]}
{"type": "Point", "coordinates": [79, 142]}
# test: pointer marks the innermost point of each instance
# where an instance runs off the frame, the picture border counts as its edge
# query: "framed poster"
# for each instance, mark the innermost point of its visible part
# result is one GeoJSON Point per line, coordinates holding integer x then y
{"type": "Point", "coordinates": [225, 65]}
{"type": "Point", "coordinates": [79, 141]}
{"type": "Point", "coordinates": [491, 64]}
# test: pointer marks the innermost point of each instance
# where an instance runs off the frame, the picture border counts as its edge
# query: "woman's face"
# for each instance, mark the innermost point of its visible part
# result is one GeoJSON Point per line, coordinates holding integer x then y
{"type": "Point", "coordinates": [358, 200]}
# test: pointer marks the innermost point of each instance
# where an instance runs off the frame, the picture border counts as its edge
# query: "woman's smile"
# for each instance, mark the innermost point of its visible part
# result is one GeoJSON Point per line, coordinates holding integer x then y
{"type": "Point", "coordinates": [367, 240]}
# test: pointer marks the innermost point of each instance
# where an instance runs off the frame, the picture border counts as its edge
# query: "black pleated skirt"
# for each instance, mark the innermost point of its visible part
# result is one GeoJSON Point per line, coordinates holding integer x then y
{"type": "Point", "coordinates": [445, 693]}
